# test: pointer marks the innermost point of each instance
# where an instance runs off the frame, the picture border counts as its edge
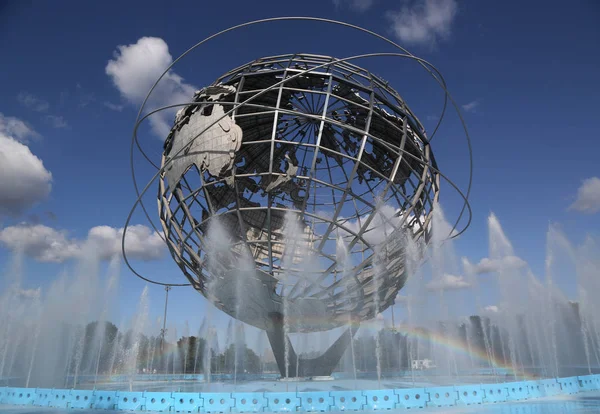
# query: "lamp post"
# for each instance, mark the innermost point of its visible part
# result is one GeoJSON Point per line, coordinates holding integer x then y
{"type": "Point", "coordinates": [163, 331]}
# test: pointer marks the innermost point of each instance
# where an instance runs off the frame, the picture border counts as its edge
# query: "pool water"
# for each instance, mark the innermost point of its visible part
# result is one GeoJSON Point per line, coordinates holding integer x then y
{"type": "Point", "coordinates": [274, 385]}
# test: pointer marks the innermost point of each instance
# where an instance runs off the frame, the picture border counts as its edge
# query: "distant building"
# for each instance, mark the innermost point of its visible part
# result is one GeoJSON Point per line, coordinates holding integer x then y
{"type": "Point", "coordinates": [423, 364]}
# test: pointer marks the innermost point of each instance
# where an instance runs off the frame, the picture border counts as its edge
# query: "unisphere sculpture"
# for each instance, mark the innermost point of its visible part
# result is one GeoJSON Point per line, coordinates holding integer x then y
{"type": "Point", "coordinates": [303, 161]}
{"type": "Point", "coordinates": [291, 191]}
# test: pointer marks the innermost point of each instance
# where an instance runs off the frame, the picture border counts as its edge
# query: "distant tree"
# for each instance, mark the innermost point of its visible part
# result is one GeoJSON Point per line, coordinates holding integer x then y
{"type": "Point", "coordinates": [251, 362]}
{"type": "Point", "coordinates": [98, 346]}
{"type": "Point", "coordinates": [477, 334]}
{"type": "Point", "coordinates": [191, 354]}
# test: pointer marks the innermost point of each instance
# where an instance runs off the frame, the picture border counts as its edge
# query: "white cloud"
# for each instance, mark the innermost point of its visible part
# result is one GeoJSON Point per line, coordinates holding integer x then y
{"type": "Point", "coordinates": [24, 181]}
{"type": "Point", "coordinates": [40, 242]}
{"type": "Point", "coordinates": [134, 70]}
{"type": "Point", "coordinates": [32, 102]}
{"type": "Point", "coordinates": [57, 122]}
{"type": "Point", "coordinates": [46, 244]}
{"type": "Point", "coordinates": [487, 265]}
{"type": "Point", "coordinates": [141, 242]}
{"type": "Point", "coordinates": [17, 129]}
{"type": "Point", "coordinates": [356, 5]}
{"type": "Point", "coordinates": [471, 106]}
{"type": "Point", "coordinates": [423, 22]}
{"type": "Point", "coordinates": [113, 106]}
{"type": "Point", "coordinates": [588, 197]}
{"type": "Point", "coordinates": [448, 282]}
{"type": "Point", "coordinates": [491, 309]}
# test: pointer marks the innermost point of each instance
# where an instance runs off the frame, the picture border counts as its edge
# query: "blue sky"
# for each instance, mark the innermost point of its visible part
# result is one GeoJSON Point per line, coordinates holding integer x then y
{"type": "Point", "coordinates": [524, 73]}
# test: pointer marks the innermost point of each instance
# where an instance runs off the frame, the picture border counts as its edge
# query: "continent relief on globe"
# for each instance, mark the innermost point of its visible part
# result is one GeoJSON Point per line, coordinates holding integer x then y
{"type": "Point", "coordinates": [208, 139]}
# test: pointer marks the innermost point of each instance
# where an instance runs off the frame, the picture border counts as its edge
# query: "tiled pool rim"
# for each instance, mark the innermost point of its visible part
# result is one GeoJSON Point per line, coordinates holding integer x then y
{"type": "Point", "coordinates": [313, 401]}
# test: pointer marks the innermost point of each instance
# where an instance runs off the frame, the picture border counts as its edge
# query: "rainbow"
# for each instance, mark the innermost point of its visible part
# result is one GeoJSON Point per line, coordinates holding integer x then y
{"type": "Point", "coordinates": [459, 347]}
{"type": "Point", "coordinates": [452, 344]}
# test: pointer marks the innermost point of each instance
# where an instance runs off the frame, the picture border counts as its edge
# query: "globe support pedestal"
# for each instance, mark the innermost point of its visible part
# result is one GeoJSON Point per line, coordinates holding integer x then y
{"type": "Point", "coordinates": [321, 366]}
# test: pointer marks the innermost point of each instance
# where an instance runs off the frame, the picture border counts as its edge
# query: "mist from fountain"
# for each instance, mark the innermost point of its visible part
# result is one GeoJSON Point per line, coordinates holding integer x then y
{"type": "Point", "coordinates": [291, 255]}
{"type": "Point", "coordinates": [175, 363]}
{"type": "Point", "coordinates": [221, 257]}
{"type": "Point", "coordinates": [538, 326]}
{"type": "Point", "coordinates": [202, 333]}
{"type": "Point", "coordinates": [138, 327]}
{"type": "Point", "coordinates": [186, 348]}
{"type": "Point", "coordinates": [345, 265]}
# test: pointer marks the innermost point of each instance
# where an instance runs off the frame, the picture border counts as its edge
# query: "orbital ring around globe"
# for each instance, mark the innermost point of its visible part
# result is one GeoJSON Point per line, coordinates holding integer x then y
{"type": "Point", "coordinates": [426, 65]}
{"type": "Point", "coordinates": [140, 195]}
{"type": "Point", "coordinates": [464, 196]}
{"type": "Point", "coordinates": [195, 265]}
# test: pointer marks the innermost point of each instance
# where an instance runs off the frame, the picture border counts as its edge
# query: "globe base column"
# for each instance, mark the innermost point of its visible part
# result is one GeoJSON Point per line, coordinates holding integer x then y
{"type": "Point", "coordinates": [321, 366]}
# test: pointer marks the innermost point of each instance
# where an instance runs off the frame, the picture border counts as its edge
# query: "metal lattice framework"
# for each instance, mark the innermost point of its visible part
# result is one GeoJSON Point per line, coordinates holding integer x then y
{"type": "Point", "coordinates": [318, 159]}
